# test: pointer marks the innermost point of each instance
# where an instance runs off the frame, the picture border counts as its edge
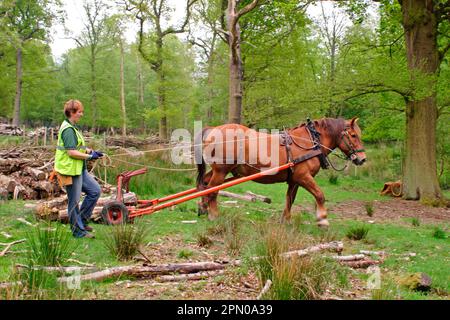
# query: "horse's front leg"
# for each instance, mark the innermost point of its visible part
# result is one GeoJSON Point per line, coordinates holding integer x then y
{"type": "Point", "coordinates": [321, 212]}
{"type": "Point", "coordinates": [217, 178]}
{"type": "Point", "coordinates": [290, 197]}
{"type": "Point", "coordinates": [203, 204]}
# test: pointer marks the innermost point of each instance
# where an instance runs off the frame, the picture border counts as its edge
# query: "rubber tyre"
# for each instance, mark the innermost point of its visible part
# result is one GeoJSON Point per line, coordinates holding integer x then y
{"type": "Point", "coordinates": [114, 213]}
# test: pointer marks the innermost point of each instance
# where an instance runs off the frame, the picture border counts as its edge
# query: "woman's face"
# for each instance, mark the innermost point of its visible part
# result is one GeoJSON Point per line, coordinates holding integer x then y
{"type": "Point", "coordinates": [76, 116]}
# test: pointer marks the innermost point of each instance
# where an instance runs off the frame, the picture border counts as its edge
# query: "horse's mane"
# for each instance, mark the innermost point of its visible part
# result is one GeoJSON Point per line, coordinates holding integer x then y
{"type": "Point", "coordinates": [333, 126]}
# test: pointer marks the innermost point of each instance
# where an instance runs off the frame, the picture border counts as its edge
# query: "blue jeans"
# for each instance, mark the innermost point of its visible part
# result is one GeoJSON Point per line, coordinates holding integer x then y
{"type": "Point", "coordinates": [79, 217]}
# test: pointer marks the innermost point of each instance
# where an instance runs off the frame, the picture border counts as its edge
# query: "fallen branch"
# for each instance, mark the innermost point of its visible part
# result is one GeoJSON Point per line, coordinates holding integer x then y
{"type": "Point", "coordinates": [337, 246]}
{"type": "Point", "coordinates": [265, 289]}
{"type": "Point", "coordinates": [354, 257]}
{"type": "Point", "coordinates": [70, 269]}
{"type": "Point", "coordinates": [189, 276]}
{"type": "Point", "coordinates": [365, 263]}
{"type": "Point", "coordinates": [25, 221]}
{"type": "Point", "coordinates": [237, 196]}
{"type": "Point", "coordinates": [150, 271]}
{"type": "Point", "coordinates": [259, 197]}
{"type": "Point", "coordinates": [9, 245]}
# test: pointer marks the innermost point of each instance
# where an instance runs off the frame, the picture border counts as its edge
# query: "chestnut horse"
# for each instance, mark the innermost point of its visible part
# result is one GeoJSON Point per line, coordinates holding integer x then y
{"type": "Point", "coordinates": [306, 145]}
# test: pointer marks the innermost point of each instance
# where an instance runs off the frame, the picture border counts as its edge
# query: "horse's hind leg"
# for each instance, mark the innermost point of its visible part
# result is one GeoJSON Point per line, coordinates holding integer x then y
{"type": "Point", "coordinates": [290, 197]}
{"type": "Point", "coordinates": [321, 212]}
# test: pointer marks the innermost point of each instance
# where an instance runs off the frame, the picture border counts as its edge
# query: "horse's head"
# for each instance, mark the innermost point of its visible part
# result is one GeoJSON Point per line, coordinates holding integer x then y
{"type": "Point", "coordinates": [350, 142]}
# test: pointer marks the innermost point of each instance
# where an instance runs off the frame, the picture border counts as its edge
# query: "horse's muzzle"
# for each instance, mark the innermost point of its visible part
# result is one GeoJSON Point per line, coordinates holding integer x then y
{"type": "Point", "coordinates": [358, 161]}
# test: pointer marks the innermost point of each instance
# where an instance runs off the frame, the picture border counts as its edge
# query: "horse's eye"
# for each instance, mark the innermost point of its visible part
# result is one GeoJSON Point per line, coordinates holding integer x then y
{"type": "Point", "coordinates": [353, 135]}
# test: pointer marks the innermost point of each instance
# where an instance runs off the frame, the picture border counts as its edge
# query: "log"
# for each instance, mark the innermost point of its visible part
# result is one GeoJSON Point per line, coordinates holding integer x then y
{"type": "Point", "coordinates": [365, 263]}
{"type": "Point", "coordinates": [70, 269]}
{"type": "Point", "coordinates": [8, 183]}
{"type": "Point", "coordinates": [35, 173]}
{"type": "Point", "coordinates": [337, 246]}
{"type": "Point", "coordinates": [237, 196]}
{"type": "Point", "coordinates": [9, 245]}
{"type": "Point", "coordinates": [354, 257]}
{"type": "Point", "coordinates": [3, 193]}
{"type": "Point", "coordinates": [150, 271]}
{"type": "Point", "coordinates": [265, 289]}
{"type": "Point", "coordinates": [259, 197]}
{"type": "Point", "coordinates": [189, 276]}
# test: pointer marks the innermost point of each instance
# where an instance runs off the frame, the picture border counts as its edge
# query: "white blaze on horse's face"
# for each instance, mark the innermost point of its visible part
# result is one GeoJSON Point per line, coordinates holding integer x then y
{"type": "Point", "coordinates": [351, 143]}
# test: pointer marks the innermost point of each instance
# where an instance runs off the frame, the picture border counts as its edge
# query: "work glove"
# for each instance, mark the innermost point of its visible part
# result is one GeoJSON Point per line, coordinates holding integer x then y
{"type": "Point", "coordinates": [95, 155]}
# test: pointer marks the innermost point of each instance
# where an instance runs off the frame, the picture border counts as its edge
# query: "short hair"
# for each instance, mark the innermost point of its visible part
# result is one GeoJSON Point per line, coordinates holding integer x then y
{"type": "Point", "coordinates": [72, 106]}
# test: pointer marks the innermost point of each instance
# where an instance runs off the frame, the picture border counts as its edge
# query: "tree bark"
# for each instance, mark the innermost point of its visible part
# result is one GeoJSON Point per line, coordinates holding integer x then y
{"type": "Point", "coordinates": [122, 90]}
{"type": "Point", "coordinates": [235, 63]}
{"type": "Point", "coordinates": [420, 179]}
{"type": "Point", "coordinates": [17, 100]}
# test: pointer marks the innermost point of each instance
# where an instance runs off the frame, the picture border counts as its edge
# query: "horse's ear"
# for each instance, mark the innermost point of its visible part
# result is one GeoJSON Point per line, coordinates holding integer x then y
{"type": "Point", "coordinates": [353, 121]}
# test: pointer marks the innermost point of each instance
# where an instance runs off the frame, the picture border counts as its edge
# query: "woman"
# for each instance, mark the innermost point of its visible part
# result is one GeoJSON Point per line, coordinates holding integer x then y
{"type": "Point", "coordinates": [70, 166]}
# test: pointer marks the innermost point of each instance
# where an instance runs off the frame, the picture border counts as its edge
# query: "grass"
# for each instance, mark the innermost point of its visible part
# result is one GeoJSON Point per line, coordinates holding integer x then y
{"type": "Point", "coordinates": [124, 240]}
{"type": "Point", "coordinates": [438, 233]}
{"type": "Point", "coordinates": [237, 233]}
{"type": "Point", "coordinates": [357, 232]}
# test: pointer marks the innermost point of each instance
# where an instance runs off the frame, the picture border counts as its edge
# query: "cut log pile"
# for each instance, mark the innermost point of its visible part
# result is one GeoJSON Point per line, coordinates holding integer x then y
{"type": "Point", "coordinates": [9, 130]}
{"type": "Point", "coordinates": [131, 141]}
{"type": "Point", "coordinates": [24, 174]}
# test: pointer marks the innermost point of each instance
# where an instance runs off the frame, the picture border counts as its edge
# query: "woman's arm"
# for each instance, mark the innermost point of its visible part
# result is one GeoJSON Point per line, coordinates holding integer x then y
{"type": "Point", "coordinates": [78, 155]}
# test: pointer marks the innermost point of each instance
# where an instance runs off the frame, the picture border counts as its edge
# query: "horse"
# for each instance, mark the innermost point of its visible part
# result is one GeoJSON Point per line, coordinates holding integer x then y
{"type": "Point", "coordinates": [306, 145]}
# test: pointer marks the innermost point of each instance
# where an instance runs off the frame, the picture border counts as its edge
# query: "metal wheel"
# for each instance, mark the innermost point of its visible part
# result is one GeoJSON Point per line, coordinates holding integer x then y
{"type": "Point", "coordinates": [115, 213]}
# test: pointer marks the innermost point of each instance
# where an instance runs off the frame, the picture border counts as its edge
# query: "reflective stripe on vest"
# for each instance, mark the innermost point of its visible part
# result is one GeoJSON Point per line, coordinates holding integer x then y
{"type": "Point", "coordinates": [64, 164]}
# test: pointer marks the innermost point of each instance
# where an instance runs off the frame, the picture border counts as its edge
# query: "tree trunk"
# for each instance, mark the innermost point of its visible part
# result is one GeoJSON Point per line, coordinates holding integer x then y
{"type": "Point", "coordinates": [16, 117]}
{"type": "Point", "coordinates": [140, 81]}
{"type": "Point", "coordinates": [161, 91]}
{"type": "Point", "coordinates": [122, 90]}
{"type": "Point", "coordinates": [93, 90]}
{"type": "Point", "coordinates": [235, 77]}
{"type": "Point", "coordinates": [420, 173]}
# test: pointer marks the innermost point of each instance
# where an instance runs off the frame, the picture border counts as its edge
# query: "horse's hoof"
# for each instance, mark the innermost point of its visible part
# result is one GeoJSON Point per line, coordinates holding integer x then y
{"type": "Point", "coordinates": [323, 223]}
{"type": "Point", "coordinates": [212, 217]}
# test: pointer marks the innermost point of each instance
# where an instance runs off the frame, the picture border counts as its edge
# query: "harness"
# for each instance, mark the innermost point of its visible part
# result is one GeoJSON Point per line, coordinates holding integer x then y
{"type": "Point", "coordinates": [316, 151]}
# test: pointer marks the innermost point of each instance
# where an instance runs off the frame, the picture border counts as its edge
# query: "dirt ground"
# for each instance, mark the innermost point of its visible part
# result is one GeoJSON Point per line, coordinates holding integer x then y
{"type": "Point", "coordinates": [245, 285]}
{"type": "Point", "coordinates": [393, 210]}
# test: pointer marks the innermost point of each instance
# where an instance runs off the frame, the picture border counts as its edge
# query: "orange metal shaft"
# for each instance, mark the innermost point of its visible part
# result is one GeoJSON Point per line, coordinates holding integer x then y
{"type": "Point", "coordinates": [190, 196]}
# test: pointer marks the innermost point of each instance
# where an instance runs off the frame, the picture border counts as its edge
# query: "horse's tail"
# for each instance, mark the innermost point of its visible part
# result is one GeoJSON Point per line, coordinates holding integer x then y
{"type": "Point", "coordinates": [201, 165]}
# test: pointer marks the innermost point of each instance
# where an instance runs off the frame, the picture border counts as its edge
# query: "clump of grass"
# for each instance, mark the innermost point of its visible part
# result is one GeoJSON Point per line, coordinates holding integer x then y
{"type": "Point", "coordinates": [415, 222]}
{"type": "Point", "coordinates": [185, 254]}
{"type": "Point", "coordinates": [438, 233]}
{"type": "Point", "coordinates": [295, 278]}
{"type": "Point", "coordinates": [369, 208]}
{"type": "Point", "coordinates": [230, 224]}
{"type": "Point", "coordinates": [203, 240]}
{"type": "Point", "coordinates": [123, 240]}
{"type": "Point", "coordinates": [357, 232]}
{"type": "Point", "coordinates": [333, 179]}
{"type": "Point", "coordinates": [50, 245]}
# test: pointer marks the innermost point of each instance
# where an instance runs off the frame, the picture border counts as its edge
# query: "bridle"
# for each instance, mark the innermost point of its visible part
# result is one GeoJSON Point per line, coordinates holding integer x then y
{"type": "Point", "coordinates": [345, 137]}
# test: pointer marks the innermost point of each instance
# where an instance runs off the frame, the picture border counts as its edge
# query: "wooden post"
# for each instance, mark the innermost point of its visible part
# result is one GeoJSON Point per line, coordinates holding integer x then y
{"type": "Point", "coordinates": [45, 136]}
{"type": "Point", "coordinates": [51, 134]}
